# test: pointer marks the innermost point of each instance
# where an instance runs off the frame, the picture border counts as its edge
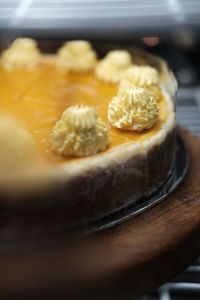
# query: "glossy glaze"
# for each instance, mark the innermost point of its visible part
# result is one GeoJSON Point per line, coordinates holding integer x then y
{"type": "Point", "coordinates": [37, 99]}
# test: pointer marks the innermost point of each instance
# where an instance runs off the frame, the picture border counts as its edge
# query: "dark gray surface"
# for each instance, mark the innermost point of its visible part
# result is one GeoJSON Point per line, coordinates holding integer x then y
{"type": "Point", "coordinates": [188, 109]}
{"type": "Point", "coordinates": [116, 19]}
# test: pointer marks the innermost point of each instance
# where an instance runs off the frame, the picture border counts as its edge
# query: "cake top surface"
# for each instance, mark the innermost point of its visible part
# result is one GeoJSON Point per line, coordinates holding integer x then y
{"type": "Point", "coordinates": [46, 96]}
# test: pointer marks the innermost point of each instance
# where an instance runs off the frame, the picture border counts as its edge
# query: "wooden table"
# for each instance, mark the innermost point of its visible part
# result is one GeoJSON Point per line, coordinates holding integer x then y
{"type": "Point", "coordinates": [134, 257]}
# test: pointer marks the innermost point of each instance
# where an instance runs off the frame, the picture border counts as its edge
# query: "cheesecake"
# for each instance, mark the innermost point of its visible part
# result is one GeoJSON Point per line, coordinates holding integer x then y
{"type": "Point", "coordinates": [82, 137]}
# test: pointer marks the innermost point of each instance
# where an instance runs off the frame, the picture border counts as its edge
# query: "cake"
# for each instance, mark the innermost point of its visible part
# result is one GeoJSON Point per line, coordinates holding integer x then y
{"type": "Point", "coordinates": [86, 136]}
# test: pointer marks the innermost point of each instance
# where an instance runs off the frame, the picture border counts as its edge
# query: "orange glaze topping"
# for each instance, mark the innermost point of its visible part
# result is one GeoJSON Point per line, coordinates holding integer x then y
{"type": "Point", "coordinates": [37, 99]}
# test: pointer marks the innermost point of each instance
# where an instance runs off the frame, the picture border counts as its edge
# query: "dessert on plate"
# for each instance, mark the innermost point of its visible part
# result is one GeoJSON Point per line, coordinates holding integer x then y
{"type": "Point", "coordinates": [81, 137]}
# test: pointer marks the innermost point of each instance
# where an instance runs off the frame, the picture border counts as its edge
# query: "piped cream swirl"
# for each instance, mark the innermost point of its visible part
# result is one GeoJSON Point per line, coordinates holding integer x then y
{"type": "Point", "coordinates": [76, 56]}
{"type": "Point", "coordinates": [79, 132]}
{"type": "Point", "coordinates": [22, 54]}
{"type": "Point", "coordinates": [113, 66]}
{"type": "Point", "coordinates": [133, 109]}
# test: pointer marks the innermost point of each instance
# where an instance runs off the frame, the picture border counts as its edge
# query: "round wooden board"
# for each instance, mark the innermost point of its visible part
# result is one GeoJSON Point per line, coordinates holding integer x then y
{"type": "Point", "coordinates": [134, 257]}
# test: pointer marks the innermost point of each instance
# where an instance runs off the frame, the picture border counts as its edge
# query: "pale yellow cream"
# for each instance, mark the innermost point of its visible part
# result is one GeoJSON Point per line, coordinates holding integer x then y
{"type": "Point", "coordinates": [133, 109]}
{"type": "Point", "coordinates": [112, 67]}
{"type": "Point", "coordinates": [79, 132]}
{"type": "Point", "coordinates": [77, 56]}
{"type": "Point", "coordinates": [22, 54]}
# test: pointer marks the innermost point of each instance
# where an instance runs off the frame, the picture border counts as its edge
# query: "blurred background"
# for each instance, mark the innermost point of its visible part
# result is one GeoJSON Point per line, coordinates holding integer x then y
{"type": "Point", "coordinates": [168, 28]}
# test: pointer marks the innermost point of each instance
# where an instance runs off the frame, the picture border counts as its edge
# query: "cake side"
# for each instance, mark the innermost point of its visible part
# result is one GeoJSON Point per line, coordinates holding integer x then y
{"type": "Point", "coordinates": [94, 194]}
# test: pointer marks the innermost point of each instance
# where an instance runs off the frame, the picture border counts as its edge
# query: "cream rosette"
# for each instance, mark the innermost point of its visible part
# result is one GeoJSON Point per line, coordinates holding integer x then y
{"type": "Point", "coordinates": [22, 54]}
{"type": "Point", "coordinates": [77, 56]}
{"type": "Point", "coordinates": [79, 132]}
{"type": "Point", "coordinates": [113, 66]}
{"type": "Point", "coordinates": [133, 109]}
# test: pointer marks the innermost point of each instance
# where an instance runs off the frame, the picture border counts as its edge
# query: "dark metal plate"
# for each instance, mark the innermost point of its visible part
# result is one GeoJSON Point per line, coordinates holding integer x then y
{"type": "Point", "coordinates": [142, 205]}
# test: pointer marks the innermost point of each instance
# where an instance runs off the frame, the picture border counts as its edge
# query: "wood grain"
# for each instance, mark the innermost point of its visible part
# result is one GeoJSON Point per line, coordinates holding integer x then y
{"type": "Point", "coordinates": [134, 257]}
